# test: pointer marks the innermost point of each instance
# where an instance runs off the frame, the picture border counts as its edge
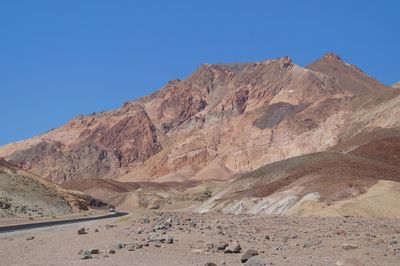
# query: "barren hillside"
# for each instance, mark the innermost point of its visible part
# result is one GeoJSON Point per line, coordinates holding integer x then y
{"type": "Point", "coordinates": [23, 194]}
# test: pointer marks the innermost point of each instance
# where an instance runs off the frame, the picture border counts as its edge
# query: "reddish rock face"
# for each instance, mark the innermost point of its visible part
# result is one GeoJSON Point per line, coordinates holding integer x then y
{"type": "Point", "coordinates": [133, 139]}
{"type": "Point", "coordinates": [223, 118]}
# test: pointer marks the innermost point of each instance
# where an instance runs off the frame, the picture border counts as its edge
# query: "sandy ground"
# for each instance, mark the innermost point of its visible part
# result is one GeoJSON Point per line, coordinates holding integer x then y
{"type": "Point", "coordinates": [278, 240]}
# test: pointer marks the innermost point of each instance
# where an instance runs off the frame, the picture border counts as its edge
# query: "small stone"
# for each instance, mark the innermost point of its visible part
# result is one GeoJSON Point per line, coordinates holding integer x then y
{"type": "Point", "coordinates": [233, 248]}
{"type": "Point", "coordinates": [349, 246]}
{"type": "Point", "coordinates": [222, 245]}
{"type": "Point", "coordinates": [162, 226]}
{"type": "Point", "coordinates": [192, 224]}
{"type": "Point", "coordinates": [120, 245]}
{"type": "Point", "coordinates": [95, 251]}
{"type": "Point", "coordinates": [82, 231]}
{"type": "Point", "coordinates": [210, 264]}
{"type": "Point", "coordinates": [254, 261]}
{"type": "Point", "coordinates": [111, 251]}
{"type": "Point", "coordinates": [197, 251]}
{"type": "Point", "coordinates": [96, 230]}
{"type": "Point", "coordinates": [248, 254]}
{"type": "Point", "coordinates": [87, 255]}
{"type": "Point", "coordinates": [267, 238]}
{"type": "Point", "coordinates": [30, 238]}
{"type": "Point", "coordinates": [108, 226]}
{"type": "Point", "coordinates": [169, 240]}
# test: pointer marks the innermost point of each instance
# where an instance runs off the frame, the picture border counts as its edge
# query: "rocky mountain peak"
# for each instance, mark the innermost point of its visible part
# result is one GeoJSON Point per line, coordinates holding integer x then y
{"type": "Point", "coordinates": [352, 78]}
{"type": "Point", "coordinates": [285, 62]}
{"type": "Point", "coordinates": [332, 56]}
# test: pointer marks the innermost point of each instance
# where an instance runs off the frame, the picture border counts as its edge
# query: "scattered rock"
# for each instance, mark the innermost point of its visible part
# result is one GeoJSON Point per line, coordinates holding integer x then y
{"type": "Point", "coordinates": [254, 261]}
{"type": "Point", "coordinates": [30, 238]}
{"type": "Point", "coordinates": [233, 248]}
{"type": "Point", "coordinates": [108, 226]}
{"type": "Point", "coordinates": [192, 224]}
{"type": "Point", "coordinates": [138, 246]}
{"type": "Point", "coordinates": [111, 251]}
{"type": "Point", "coordinates": [248, 254]}
{"type": "Point", "coordinates": [95, 251]}
{"type": "Point", "coordinates": [153, 237]}
{"type": "Point", "coordinates": [82, 231]}
{"type": "Point", "coordinates": [120, 245]}
{"type": "Point", "coordinates": [210, 264]}
{"type": "Point", "coordinates": [169, 240]}
{"type": "Point", "coordinates": [222, 245]}
{"type": "Point", "coordinates": [349, 246]}
{"type": "Point", "coordinates": [197, 251]}
{"type": "Point", "coordinates": [87, 254]}
{"type": "Point", "coordinates": [162, 226]}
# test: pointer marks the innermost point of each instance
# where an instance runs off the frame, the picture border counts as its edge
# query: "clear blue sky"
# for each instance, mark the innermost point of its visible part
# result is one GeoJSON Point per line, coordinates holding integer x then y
{"type": "Point", "coordinates": [63, 58]}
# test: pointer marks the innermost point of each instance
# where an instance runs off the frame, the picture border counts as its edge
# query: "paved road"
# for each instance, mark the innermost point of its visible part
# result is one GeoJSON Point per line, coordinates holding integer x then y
{"type": "Point", "coordinates": [18, 227]}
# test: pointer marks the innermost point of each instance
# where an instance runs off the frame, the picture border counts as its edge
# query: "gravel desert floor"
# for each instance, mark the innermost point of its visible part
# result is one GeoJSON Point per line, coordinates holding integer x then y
{"type": "Point", "coordinates": [208, 239]}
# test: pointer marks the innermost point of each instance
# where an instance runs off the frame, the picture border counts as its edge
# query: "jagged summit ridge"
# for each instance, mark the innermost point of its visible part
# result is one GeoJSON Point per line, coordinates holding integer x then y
{"type": "Point", "coordinates": [333, 56]}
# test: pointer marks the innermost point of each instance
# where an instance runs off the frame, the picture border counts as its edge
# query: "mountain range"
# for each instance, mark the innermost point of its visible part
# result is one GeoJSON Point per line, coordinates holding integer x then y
{"type": "Point", "coordinates": [256, 137]}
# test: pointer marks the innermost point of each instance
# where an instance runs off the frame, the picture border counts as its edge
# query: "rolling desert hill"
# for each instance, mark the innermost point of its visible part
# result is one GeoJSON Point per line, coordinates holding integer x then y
{"type": "Point", "coordinates": [258, 137]}
{"type": "Point", "coordinates": [23, 194]}
{"type": "Point", "coordinates": [396, 85]}
{"type": "Point", "coordinates": [362, 182]}
{"type": "Point", "coordinates": [141, 195]}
